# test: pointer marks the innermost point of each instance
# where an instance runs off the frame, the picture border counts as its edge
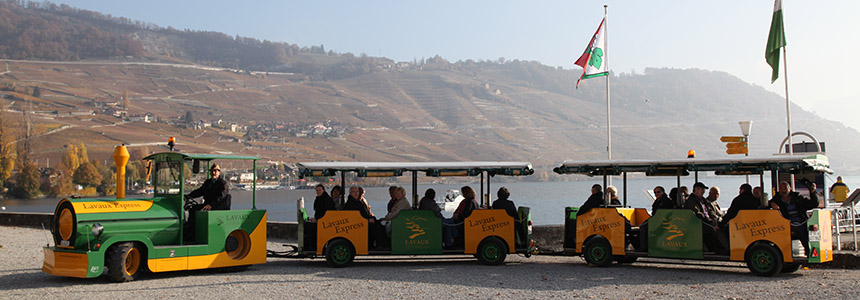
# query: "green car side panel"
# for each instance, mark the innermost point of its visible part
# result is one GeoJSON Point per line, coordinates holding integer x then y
{"type": "Point", "coordinates": [416, 232]}
{"type": "Point", "coordinates": [212, 228]}
{"type": "Point", "coordinates": [675, 233]}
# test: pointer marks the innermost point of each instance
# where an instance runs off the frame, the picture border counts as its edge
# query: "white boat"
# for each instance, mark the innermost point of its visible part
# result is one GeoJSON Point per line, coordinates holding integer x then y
{"type": "Point", "coordinates": [451, 200]}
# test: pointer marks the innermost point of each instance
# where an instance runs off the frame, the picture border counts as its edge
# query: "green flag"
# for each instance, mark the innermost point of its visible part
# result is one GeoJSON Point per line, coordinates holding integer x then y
{"type": "Point", "coordinates": [775, 40]}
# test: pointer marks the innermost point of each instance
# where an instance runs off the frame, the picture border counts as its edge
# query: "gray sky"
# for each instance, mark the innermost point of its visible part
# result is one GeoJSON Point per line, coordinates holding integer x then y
{"type": "Point", "coordinates": [727, 35]}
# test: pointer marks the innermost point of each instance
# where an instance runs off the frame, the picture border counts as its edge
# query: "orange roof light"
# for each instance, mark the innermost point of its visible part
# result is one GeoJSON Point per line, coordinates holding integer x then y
{"type": "Point", "coordinates": [691, 154]}
{"type": "Point", "coordinates": [171, 142]}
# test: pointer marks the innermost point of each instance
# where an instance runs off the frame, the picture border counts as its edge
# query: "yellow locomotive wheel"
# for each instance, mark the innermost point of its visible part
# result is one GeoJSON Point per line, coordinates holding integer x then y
{"type": "Point", "coordinates": [238, 244]}
{"type": "Point", "coordinates": [124, 262]}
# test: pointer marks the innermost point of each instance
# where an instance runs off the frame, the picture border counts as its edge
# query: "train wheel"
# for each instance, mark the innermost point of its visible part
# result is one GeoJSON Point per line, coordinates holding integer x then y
{"type": "Point", "coordinates": [339, 253]}
{"type": "Point", "coordinates": [124, 262]}
{"type": "Point", "coordinates": [598, 251]}
{"type": "Point", "coordinates": [492, 251]}
{"type": "Point", "coordinates": [238, 244]}
{"type": "Point", "coordinates": [764, 260]}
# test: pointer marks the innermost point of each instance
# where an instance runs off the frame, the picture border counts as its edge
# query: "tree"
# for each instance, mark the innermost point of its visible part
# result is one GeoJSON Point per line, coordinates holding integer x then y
{"type": "Point", "coordinates": [188, 117]}
{"type": "Point", "coordinates": [87, 175]}
{"type": "Point", "coordinates": [27, 183]}
{"type": "Point", "coordinates": [61, 185]}
{"type": "Point", "coordinates": [37, 92]}
{"type": "Point", "coordinates": [71, 160]}
{"type": "Point", "coordinates": [82, 153]}
{"type": "Point", "coordinates": [7, 146]}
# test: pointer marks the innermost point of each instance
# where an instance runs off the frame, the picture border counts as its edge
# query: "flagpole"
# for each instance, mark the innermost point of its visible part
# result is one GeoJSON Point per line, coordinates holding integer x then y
{"type": "Point", "coordinates": [787, 111]}
{"type": "Point", "coordinates": [606, 61]}
{"type": "Point", "coordinates": [608, 116]}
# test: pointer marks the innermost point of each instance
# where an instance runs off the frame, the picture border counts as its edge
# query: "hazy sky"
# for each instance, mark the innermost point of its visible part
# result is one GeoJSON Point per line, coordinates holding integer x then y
{"type": "Point", "coordinates": [727, 35]}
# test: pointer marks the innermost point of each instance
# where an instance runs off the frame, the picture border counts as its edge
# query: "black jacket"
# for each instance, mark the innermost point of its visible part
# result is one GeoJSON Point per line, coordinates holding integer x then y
{"type": "Point", "coordinates": [742, 201]}
{"type": "Point", "coordinates": [662, 203]}
{"type": "Point", "coordinates": [215, 193]}
{"type": "Point", "coordinates": [508, 206]}
{"type": "Point", "coordinates": [595, 200]}
{"type": "Point", "coordinates": [431, 205]}
{"type": "Point", "coordinates": [801, 205]}
{"type": "Point", "coordinates": [355, 204]}
{"type": "Point", "coordinates": [322, 204]}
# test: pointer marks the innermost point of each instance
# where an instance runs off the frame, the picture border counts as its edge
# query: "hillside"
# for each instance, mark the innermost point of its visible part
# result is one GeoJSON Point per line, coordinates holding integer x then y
{"type": "Point", "coordinates": [328, 106]}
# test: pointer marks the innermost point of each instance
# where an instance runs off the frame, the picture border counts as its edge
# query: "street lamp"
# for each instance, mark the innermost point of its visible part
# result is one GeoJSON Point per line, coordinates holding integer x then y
{"type": "Point", "coordinates": [745, 130]}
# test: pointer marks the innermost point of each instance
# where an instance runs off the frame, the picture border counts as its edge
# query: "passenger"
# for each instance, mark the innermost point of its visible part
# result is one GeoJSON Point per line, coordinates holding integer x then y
{"type": "Point", "coordinates": [337, 196]}
{"type": "Point", "coordinates": [376, 232]}
{"type": "Point", "coordinates": [391, 191]}
{"type": "Point", "coordinates": [712, 204]}
{"type": "Point", "coordinates": [463, 211]}
{"type": "Point", "coordinates": [793, 207]}
{"type": "Point", "coordinates": [761, 197]}
{"type": "Point", "coordinates": [400, 204]}
{"type": "Point", "coordinates": [613, 196]}
{"type": "Point", "coordinates": [745, 200]}
{"type": "Point", "coordinates": [595, 200]}
{"type": "Point", "coordinates": [710, 226]}
{"type": "Point", "coordinates": [504, 203]}
{"type": "Point", "coordinates": [322, 203]}
{"type": "Point", "coordinates": [676, 192]}
{"type": "Point", "coordinates": [429, 203]}
{"type": "Point", "coordinates": [696, 203]}
{"type": "Point", "coordinates": [662, 201]}
{"type": "Point", "coordinates": [216, 196]}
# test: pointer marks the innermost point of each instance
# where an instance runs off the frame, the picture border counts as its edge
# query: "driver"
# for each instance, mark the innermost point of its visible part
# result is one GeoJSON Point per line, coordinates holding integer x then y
{"type": "Point", "coordinates": [215, 192]}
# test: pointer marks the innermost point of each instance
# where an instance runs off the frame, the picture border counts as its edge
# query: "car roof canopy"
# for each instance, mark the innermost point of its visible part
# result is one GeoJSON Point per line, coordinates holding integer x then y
{"type": "Point", "coordinates": [384, 169]}
{"type": "Point", "coordinates": [682, 167]}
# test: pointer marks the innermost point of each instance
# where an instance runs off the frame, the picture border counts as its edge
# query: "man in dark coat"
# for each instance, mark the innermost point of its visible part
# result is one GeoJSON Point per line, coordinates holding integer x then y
{"type": "Point", "coordinates": [216, 196]}
{"type": "Point", "coordinates": [793, 207]}
{"type": "Point", "coordinates": [595, 200]}
{"type": "Point", "coordinates": [504, 203]}
{"type": "Point", "coordinates": [214, 191]}
{"type": "Point", "coordinates": [696, 203]}
{"type": "Point", "coordinates": [322, 203]}
{"type": "Point", "coordinates": [744, 200]}
{"type": "Point", "coordinates": [662, 200]}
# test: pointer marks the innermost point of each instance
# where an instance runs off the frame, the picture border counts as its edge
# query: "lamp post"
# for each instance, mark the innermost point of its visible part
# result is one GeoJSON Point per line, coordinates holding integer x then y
{"type": "Point", "coordinates": [745, 130]}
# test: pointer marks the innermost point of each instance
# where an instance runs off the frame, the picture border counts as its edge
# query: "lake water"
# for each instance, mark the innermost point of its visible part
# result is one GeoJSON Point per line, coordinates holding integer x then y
{"type": "Point", "coordinates": [546, 199]}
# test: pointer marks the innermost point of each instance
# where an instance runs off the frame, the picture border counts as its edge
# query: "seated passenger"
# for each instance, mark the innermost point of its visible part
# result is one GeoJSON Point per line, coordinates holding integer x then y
{"type": "Point", "coordinates": [400, 204]}
{"type": "Point", "coordinates": [322, 203]}
{"type": "Point", "coordinates": [793, 207]}
{"type": "Point", "coordinates": [744, 200]}
{"type": "Point", "coordinates": [336, 197]}
{"type": "Point", "coordinates": [376, 233]}
{"type": "Point", "coordinates": [613, 196]}
{"type": "Point", "coordinates": [504, 203]}
{"type": "Point", "coordinates": [463, 211]}
{"type": "Point", "coordinates": [696, 203]}
{"type": "Point", "coordinates": [662, 200]}
{"type": "Point", "coordinates": [429, 203]}
{"type": "Point", "coordinates": [712, 202]}
{"type": "Point", "coordinates": [595, 200]}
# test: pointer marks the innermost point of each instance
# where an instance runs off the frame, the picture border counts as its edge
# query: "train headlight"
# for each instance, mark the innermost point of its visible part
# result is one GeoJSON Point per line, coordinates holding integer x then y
{"type": "Point", "coordinates": [97, 230]}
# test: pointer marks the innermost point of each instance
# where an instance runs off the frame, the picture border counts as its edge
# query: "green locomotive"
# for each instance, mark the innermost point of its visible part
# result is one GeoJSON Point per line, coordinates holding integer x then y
{"type": "Point", "coordinates": [123, 238]}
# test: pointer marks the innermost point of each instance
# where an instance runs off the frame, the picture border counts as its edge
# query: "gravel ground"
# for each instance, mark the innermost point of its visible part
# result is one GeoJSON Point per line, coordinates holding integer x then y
{"type": "Point", "coordinates": [390, 278]}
